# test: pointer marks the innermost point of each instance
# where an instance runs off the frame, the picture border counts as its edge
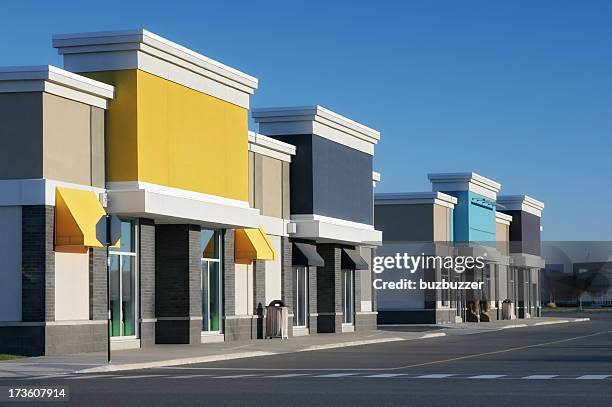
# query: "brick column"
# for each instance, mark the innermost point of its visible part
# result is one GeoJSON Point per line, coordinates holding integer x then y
{"type": "Point", "coordinates": [178, 296]}
{"type": "Point", "coordinates": [312, 300]}
{"type": "Point", "coordinates": [98, 306]}
{"type": "Point", "coordinates": [38, 264]}
{"type": "Point", "coordinates": [146, 258]}
{"type": "Point", "coordinates": [329, 290]}
{"type": "Point", "coordinates": [229, 274]}
{"type": "Point", "coordinates": [259, 297]}
{"type": "Point", "coordinates": [287, 289]}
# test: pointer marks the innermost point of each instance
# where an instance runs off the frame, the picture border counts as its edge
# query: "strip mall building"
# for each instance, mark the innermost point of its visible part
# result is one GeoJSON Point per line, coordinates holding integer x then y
{"type": "Point", "coordinates": [216, 221]}
{"type": "Point", "coordinates": [464, 216]}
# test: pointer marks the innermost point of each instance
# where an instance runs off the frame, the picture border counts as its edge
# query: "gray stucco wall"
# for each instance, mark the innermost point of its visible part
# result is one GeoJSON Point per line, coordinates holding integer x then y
{"type": "Point", "coordinates": [330, 179]}
{"type": "Point", "coordinates": [524, 232]}
{"type": "Point", "coordinates": [21, 155]}
{"type": "Point", "coordinates": [402, 223]}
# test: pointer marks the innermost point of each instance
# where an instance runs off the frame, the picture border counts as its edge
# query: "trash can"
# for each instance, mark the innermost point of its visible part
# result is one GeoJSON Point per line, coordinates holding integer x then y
{"type": "Point", "coordinates": [507, 309]}
{"type": "Point", "coordinates": [277, 320]}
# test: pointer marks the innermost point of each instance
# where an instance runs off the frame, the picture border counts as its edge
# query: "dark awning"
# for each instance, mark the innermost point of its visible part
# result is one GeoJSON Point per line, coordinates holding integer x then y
{"type": "Point", "coordinates": [351, 259]}
{"type": "Point", "coordinates": [305, 254]}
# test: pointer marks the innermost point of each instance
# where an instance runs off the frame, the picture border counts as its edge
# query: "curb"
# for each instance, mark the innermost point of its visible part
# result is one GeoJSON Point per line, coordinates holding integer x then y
{"type": "Point", "coordinates": [563, 321]}
{"type": "Point", "coordinates": [352, 343]}
{"type": "Point", "coordinates": [174, 362]}
{"type": "Point", "coordinates": [243, 355]}
{"type": "Point", "coordinates": [514, 326]}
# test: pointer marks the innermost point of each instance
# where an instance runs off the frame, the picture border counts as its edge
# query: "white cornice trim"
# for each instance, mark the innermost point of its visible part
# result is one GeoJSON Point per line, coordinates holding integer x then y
{"type": "Point", "coordinates": [50, 79]}
{"type": "Point", "coordinates": [503, 218]}
{"type": "Point", "coordinates": [415, 198]}
{"type": "Point", "coordinates": [270, 147]}
{"type": "Point", "coordinates": [465, 181]}
{"type": "Point", "coordinates": [177, 192]}
{"type": "Point", "coordinates": [521, 203]}
{"type": "Point", "coordinates": [316, 120]}
{"type": "Point", "coordinates": [40, 191]}
{"type": "Point", "coordinates": [141, 49]}
{"type": "Point", "coordinates": [325, 229]}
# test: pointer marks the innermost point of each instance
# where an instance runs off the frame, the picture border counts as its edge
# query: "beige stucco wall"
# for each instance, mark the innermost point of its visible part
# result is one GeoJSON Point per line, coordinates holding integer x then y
{"type": "Point", "coordinates": [47, 136]}
{"type": "Point", "coordinates": [244, 289]}
{"type": "Point", "coordinates": [71, 286]}
{"type": "Point", "coordinates": [21, 134]}
{"type": "Point", "coordinates": [502, 236]}
{"type": "Point", "coordinates": [442, 223]}
{"type": "Point", "coordinates": [273, 282]}
{"type": "Point", "coordinates": [269, 185]}
{"type": "Point", "coordinates": [66, 140]}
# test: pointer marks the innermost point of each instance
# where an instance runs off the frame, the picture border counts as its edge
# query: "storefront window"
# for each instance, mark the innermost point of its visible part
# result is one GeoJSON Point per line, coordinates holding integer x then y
{"type": "Point", "coordinates": [348, 300]}
{"type": "Point", "coordinates": [301, 295]}
{"type": "Point", "coordinates": [123, 283]}
{"type": "Point", "coordinates": [210, 247]}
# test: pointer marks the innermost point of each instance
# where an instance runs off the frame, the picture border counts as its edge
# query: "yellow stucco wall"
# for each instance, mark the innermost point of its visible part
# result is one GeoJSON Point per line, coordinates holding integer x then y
{"type": "Point", "coordinates": [167, 134]}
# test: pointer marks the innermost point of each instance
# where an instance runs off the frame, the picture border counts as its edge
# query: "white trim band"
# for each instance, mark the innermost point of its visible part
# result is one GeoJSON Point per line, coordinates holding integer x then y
{"type": "Point", "coordinates": [521, 203]}
{"type": "Point", "coordinates": [324, 229]}
{"type": "Point", "coordinates": [415, 198]}
{"type": "Point", "coordinates": [465, 181]}
{"type": "Point", "coordinates": [317, 120]}
{"type": "Point", "coordinates": [173, 205]}
{"type": "Point", "coordinates": [50, 79]}
{"type": "Point", "coordinates": [141, 49]}
{"type": "Point", "coordinates": [258, 143]}
{"type": "Point", "coordinates": [503, 218]}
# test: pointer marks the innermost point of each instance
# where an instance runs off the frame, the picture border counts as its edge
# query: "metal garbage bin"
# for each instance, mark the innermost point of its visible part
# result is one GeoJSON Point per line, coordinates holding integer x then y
{"type": "Point", "coordinates": [277, 320]}
{"type": "Point", "coordinates": [508, 309]}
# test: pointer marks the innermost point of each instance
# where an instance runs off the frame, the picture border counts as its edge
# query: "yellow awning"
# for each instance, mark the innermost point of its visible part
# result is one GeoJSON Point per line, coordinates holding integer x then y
{"type": "Point", "coordinates": [252, 244]}
{"type": "Point", "coordinates": [77, 214]}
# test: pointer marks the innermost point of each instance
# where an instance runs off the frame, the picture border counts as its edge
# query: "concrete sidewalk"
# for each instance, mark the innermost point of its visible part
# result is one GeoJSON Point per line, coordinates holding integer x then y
{"type": "Point", "coordinates": [173, 355]}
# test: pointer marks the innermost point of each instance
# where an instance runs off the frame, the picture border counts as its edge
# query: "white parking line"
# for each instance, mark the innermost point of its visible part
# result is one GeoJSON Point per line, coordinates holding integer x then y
{"type": "Point", "coordinates": [54, 376]}
{"type": "Point", "coordinates": [487, 376]}
{"type": "Point", "coordinates": [337, 375]}
{"type": "Point", "coordinates": [142, 376]}
{"type": "Point", "coordinates": [90, 376]}
{"type": "Point", "coordinates": [188, 376]}
{"type": "Point", "coordinates": [593, 377]}
{"type": "Point", "coordinates": [434, 376]}
{"type": "Point", "coordinates": [280, 376]}
{"type": "Point", "coordinates": [235, 376]}
{"type": "Point", "coordinates": [540, 376]}
{"type": "Point", "coordinates": [386, 375]}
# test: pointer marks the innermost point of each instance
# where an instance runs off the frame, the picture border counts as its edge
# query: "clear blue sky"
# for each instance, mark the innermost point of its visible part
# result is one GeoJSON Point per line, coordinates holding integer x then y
{"type": "Point", "coordinates": [519, 91]}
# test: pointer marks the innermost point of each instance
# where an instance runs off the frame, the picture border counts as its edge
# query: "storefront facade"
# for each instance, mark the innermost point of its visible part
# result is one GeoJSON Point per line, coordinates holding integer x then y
{"type": "Point", "coordinates": [463, 216]}
{"type": "Point", "coordinates": [331, 212]}
{"type": "Point", "coordinates": [155, 134]}
{"type": "Point", "coordinates": [526, 262]}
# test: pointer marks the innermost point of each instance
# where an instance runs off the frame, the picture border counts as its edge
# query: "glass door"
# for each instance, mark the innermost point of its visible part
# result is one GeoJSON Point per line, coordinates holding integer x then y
{"type": "Point", "coordinates": [210, 242]}
{"type": "Point", "coordinates": [348, 296]}
{"type": "Point", "coordinates": [301, 296]}
{"type": "Point", "coordinates": [123, 284]}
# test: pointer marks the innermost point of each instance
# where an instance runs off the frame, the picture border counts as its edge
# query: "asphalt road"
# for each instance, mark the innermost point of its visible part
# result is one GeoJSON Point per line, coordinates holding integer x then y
{"type": "Point", "coordinates": [553, 365]}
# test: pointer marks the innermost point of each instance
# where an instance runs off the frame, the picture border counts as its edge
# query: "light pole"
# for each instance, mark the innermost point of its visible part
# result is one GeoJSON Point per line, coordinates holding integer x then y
{"type": "Point", "coordinates": [108, 301]}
